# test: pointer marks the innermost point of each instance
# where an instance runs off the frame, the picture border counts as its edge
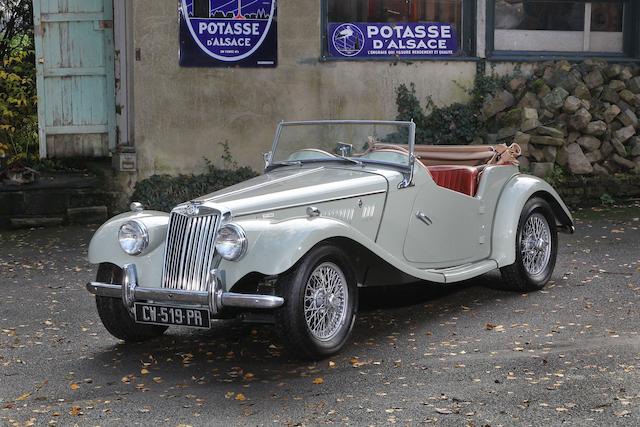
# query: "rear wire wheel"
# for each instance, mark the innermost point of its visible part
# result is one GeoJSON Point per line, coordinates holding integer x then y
{"type": "Point", "coordinates": [536, 248]}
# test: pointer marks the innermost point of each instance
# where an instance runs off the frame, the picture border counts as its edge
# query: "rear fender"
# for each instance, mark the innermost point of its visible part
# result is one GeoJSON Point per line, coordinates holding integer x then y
{"type": "Point", "coordinates": [515, 194]}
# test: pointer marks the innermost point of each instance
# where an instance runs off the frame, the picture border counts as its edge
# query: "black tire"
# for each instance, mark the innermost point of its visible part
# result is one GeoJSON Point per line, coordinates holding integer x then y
{"type": "Point", "coordinates": [516, 276]}
{"type": "Point", "coordinates": [115, 317]}
{"type": "Point", "coordinates": [290, 318]}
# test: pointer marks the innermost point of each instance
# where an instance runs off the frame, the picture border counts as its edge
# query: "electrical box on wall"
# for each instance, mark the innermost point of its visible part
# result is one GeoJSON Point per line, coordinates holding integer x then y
{"type": "Point", "coordinates": [125, 160]}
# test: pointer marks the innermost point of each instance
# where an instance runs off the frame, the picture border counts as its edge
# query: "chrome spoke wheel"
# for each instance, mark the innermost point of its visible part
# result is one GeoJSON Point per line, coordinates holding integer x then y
{"type": "Point", "coordinates": [535, 244]}
{"type": "Point", "coordinates": [326, 301]}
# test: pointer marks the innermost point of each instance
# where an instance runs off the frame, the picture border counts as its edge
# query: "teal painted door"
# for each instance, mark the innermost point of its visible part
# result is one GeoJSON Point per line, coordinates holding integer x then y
{"type": "Point", "coordinates": [75, 76]}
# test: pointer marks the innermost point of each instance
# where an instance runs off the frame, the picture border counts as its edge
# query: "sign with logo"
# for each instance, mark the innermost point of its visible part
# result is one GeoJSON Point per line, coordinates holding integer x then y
{"type": "Point", "coordinates": [398, 39]}
{"type": "Point", "coordinates": [228, 33]}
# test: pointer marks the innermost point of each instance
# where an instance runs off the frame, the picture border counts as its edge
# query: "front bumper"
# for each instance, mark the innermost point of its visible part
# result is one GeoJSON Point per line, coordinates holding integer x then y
{"type": "Point", "coordinates": [215, 298]}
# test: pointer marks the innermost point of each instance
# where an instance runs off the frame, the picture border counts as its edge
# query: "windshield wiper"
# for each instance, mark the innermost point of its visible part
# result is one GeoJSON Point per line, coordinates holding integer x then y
{"type": "Point", "coordinates": [349, 159]}
{"type": "Point", "coordinates": [328, 159]}
{"type": "Point", "coordinates": [287, 163]}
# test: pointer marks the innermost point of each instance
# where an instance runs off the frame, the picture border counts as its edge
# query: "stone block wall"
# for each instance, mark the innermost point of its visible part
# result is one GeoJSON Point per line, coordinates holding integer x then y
{"type": "Point", "coordinates": [582, 117]}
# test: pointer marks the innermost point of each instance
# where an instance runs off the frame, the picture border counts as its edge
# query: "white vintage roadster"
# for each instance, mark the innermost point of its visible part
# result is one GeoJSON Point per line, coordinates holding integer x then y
{"type": "Point", "coordinates": [341, 205]}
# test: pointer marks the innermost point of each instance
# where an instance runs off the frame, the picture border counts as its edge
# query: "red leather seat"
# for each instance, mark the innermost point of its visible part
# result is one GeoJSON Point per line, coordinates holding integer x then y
{"type": "Point", "coordinates": [463, 179]}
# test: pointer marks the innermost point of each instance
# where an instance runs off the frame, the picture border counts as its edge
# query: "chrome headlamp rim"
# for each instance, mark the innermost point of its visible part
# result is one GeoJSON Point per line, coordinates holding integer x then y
{"type": "Point", "coordinates": [242, 240]}
{"type": "Point", "coordinates": [144, 236]}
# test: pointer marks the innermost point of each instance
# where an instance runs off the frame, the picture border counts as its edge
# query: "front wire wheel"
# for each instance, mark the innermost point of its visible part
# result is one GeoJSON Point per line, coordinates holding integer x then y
{"type": "Point", "coordinates": [115, 317]}
{"type": "Point", "coordinates": [326, 300]}
{"type": "Point", "coordinates": [320, 303]}
{"type": "Point", "coordinates": [536, 248]}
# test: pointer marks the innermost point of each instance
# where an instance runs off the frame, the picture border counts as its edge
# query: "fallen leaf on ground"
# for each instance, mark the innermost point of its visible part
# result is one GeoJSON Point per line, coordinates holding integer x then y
{"type": "Point", "coordinates": [356, 362]}
{"type": "Point", "coordinates": [318, 381]}
{"type": "Point", "coordinates": [240, 397]}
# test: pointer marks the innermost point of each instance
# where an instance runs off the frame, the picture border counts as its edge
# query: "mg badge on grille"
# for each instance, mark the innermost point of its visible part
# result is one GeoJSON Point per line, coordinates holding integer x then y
{"type": "Point", "coordinates": [192, 209]}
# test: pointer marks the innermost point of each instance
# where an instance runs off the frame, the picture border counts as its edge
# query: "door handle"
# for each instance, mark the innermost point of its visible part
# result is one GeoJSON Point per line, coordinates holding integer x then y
{"type": "Point", "coordinates": [424, 218]}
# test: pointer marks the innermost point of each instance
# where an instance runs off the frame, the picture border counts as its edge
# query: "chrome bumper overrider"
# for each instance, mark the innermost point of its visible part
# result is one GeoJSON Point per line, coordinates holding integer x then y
{"type": "Point", "coordinates": [215, 298]}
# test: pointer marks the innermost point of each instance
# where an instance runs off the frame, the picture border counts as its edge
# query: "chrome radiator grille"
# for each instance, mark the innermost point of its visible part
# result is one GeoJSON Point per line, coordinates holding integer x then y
{"type": "Point", "coordinates": [189, 251]}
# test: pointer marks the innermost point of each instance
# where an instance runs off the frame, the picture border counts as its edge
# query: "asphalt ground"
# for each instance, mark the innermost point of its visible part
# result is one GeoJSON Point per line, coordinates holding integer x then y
{"type": "Point", "coordinates": [463, 354]}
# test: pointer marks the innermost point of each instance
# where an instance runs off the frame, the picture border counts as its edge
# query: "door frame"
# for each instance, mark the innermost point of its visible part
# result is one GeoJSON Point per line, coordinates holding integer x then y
{"type": "Point", "coordinates": [123, 45]}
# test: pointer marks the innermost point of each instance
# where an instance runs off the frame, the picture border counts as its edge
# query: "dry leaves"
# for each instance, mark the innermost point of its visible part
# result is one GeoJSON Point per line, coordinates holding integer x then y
{"type": "Point", "coordinates": [493, 327]}
{"type": "Point", "coordinates": [318, 380]}
{"type": "Point", "coordinates": [356, 362]}
{"type": "Point", "coordinates": [24, 396]}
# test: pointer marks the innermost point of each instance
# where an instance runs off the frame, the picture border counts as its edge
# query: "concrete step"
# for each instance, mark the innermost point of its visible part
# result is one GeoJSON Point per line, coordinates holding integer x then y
{"type": "Point", "coordinates": [35, 222]}
{"type": "Point", "coordinates": [56, 198]}
{"type": "Point", "coordinates": [87, 215]}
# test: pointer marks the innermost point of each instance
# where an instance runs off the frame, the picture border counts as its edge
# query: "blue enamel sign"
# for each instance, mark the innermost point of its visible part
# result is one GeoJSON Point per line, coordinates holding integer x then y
{"type": "Point", "coordinates": [228, 33]}
{"type": "Point", "coordinates": [400, 39]}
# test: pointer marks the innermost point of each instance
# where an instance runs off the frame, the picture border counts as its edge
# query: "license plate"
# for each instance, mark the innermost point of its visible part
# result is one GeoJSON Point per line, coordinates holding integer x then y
{"type": "Point", "coordinates": [167, 315]}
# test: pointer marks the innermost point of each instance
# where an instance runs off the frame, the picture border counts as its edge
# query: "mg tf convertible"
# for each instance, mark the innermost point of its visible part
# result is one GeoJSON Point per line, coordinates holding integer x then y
{"type": "Point", "coordinates": [341, 205]}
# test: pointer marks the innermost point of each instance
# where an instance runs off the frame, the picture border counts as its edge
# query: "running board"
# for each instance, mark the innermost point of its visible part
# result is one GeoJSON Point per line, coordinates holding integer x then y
{"type": "Point", "coordinates": [466, 271]}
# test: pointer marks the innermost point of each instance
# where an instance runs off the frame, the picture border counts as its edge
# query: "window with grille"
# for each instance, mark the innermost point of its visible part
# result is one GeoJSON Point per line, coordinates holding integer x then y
{"type": "Point", "coordinates": [560, 26]}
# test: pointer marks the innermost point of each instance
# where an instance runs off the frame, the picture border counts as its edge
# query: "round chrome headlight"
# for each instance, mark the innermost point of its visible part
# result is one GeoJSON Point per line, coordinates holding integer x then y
{"type": "Point", "coordinates": [231, 242]}
{"type": "Point", "coordinates": [133, 237]}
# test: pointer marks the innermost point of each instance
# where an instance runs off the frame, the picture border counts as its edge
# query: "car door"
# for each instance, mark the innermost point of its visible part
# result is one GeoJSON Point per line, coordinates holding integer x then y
{"type": "Point", "coordinates": [445, 228]}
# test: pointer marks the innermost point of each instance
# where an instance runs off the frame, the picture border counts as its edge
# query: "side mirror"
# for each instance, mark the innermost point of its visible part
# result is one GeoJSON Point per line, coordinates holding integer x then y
{"type": "Point", "coordinates": [267, 158]}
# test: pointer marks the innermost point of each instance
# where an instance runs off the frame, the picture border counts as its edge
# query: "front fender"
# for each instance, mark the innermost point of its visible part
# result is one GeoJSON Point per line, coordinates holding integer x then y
{"type": "Point", "coordinates": [515, 194]}
{"type": "Point", "coordinates": [275, 247]}
{"type": "Point", "coordinates": [104, 245]}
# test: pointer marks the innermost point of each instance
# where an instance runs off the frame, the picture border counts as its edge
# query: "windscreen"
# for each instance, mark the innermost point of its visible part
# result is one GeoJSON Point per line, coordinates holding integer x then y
{"type": "Point", "coordinates": [366, 142]}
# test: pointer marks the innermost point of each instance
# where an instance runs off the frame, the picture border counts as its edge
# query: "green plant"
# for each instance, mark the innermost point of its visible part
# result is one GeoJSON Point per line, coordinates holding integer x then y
{"type": "Point", "coordinates": [607, 199]}
{"type": "Point", "coordinates": [409, 109]}
{"type": "Point", "coordinates": [16, 20]}
{"type": "Point", "coordinates": [485, 84]}
{"type": "Point", "coordinates": [454, 124]}
{"type": "Point", "coordinates": [18, 110]}
{"type": "Point", "coordinates": [556, 177]}
{"type": "Point", "coordinates": [227, 158]}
